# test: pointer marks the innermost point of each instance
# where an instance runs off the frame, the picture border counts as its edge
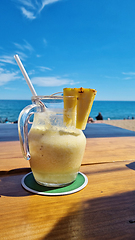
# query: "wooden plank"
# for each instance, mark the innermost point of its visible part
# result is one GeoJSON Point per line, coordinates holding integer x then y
{"type": "Point", "coordinates": [98, 150]}
{"type": "Point", "coordinates": [102, 210]}
{"type": "Point", "coordinates": [11, 156]}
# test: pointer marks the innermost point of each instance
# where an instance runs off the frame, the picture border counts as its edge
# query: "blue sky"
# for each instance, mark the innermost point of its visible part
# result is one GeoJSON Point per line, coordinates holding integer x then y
{"type": "Point", "coordinates": [68, 43]}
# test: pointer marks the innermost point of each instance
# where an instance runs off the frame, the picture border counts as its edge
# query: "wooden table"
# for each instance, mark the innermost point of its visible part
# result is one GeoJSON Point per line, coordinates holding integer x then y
{"type": "Point", "coordinates": [104, 209]}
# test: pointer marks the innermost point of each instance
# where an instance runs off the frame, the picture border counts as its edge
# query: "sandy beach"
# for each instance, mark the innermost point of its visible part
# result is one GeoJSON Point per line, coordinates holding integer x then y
{"type": "Point", "coordinates": [126, 124]}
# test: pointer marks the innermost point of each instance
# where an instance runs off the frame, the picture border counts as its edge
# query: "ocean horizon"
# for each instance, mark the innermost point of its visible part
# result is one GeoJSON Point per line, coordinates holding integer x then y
{"type": "Point", "coordinates": [113, 110]}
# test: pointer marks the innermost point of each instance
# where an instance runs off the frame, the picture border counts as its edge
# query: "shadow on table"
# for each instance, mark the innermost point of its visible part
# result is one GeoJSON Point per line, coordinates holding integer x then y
{"type": "Point", "coordinates": [131, 165]}
{"type": "Point", "coordinates": [10, 183]}
{"type": "Point", "coordinates": [9, 132]}
{"type": "Point", "coordinates": [100, 130]}
{"type": "Point", "coordinates": [101, 218]}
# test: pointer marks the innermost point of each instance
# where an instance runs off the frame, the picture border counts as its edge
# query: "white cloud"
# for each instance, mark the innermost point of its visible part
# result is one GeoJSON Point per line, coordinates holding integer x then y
{"type": "Point", "coordinates": [51, 81]}
{"type": "Point", "coordinates": [27, 3]}
{"type": "Point", "coordinates": [44, 41]}
{"type": "Point", "coordinates": [2, 64]}
{"type": "Point", "coordinates": [43, 69]}
{"type": "Point", "coordinates": [7, 59]}
{"type": "Point", "coordinates": [24, 46]}
{"type": "Point", "coordinates": [21, 55]}
{"type": "Point", "coordinates": [111, 77]}
{"type": "Point", "coordinates": [31, 8]}
{"type": "Point", "coordinates": [1, 70]}
{"type": "Point", "coordinates": [46, 2]}
{"type": "Point", "coordinates": [128, 78]}
{"type": "Point", "coordinates": [32, 72]}
{"type": "Point", "coordinates": [128, 73]}
{"type": "Point", "coordinates": [27, 13]}
{"type": "Point", "coordinates": [21, 48]}
{"type": "Point", "coordinates": [28, 46]}
{"type": "Point", "coordinates": [6, 76]}
{"type": "Point", "coordinates": [12, 89]}
{"type": "Point", "coordinates": [38, 55]}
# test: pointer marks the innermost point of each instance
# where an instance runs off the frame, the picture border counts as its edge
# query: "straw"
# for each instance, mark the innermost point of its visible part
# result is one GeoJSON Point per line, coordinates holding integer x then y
{"type": "Point", "coordinates": [25, 75]}
{"type": "Point", "coordinates": [27, 79]}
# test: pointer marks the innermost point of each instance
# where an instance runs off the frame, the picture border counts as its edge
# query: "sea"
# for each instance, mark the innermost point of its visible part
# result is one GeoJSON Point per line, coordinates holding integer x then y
{"type": "Point", "coordinates": [10, 109]}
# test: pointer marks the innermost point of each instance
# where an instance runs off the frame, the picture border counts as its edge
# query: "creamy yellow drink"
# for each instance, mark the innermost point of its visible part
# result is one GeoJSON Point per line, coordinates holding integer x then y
{"type": "Point", "coordinates": [56, 152]}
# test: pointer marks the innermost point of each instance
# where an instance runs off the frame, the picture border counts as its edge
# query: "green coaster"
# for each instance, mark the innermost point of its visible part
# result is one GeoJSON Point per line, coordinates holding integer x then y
{"type": "Point", "coordinates": [29, 183]}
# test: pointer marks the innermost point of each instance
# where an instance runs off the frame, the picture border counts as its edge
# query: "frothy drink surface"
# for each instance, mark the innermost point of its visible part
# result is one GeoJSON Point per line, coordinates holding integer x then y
{"type": "Point", "coordinates": [56, 153]}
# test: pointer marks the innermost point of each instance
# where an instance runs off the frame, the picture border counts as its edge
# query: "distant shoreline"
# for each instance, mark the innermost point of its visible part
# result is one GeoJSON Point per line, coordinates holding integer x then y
{"type": "Point", "coordinates": [126, 124]}
{"type": "Point", "coordinates": [114, 110]}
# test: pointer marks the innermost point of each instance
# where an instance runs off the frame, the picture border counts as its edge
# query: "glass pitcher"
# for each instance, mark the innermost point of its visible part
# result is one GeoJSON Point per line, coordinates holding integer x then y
{"type": "Point", "coordinates": [50, 140]}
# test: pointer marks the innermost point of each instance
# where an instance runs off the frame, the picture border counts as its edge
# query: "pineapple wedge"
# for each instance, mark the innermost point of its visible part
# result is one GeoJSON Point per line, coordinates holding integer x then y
{"type": "Point", "coordinates": [85, 98]}
{"type": "Point", "coordinates": [76, 111]}
{"type": "Point", "coordinates": [70, 102]}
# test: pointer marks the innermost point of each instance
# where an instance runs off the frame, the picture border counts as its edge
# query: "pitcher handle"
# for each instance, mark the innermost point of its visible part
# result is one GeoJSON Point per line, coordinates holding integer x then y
{"type": "Point", "coordinates": [23, 128]}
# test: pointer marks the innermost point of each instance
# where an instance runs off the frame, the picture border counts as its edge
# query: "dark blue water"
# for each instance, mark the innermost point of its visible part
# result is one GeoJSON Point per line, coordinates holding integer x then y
{"type": "Point", "coordinates": [113, 109]}
{"type": "Point", "coordinates": [109, 109]}
{"type": "Point", "coordinates": [11, 108]}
